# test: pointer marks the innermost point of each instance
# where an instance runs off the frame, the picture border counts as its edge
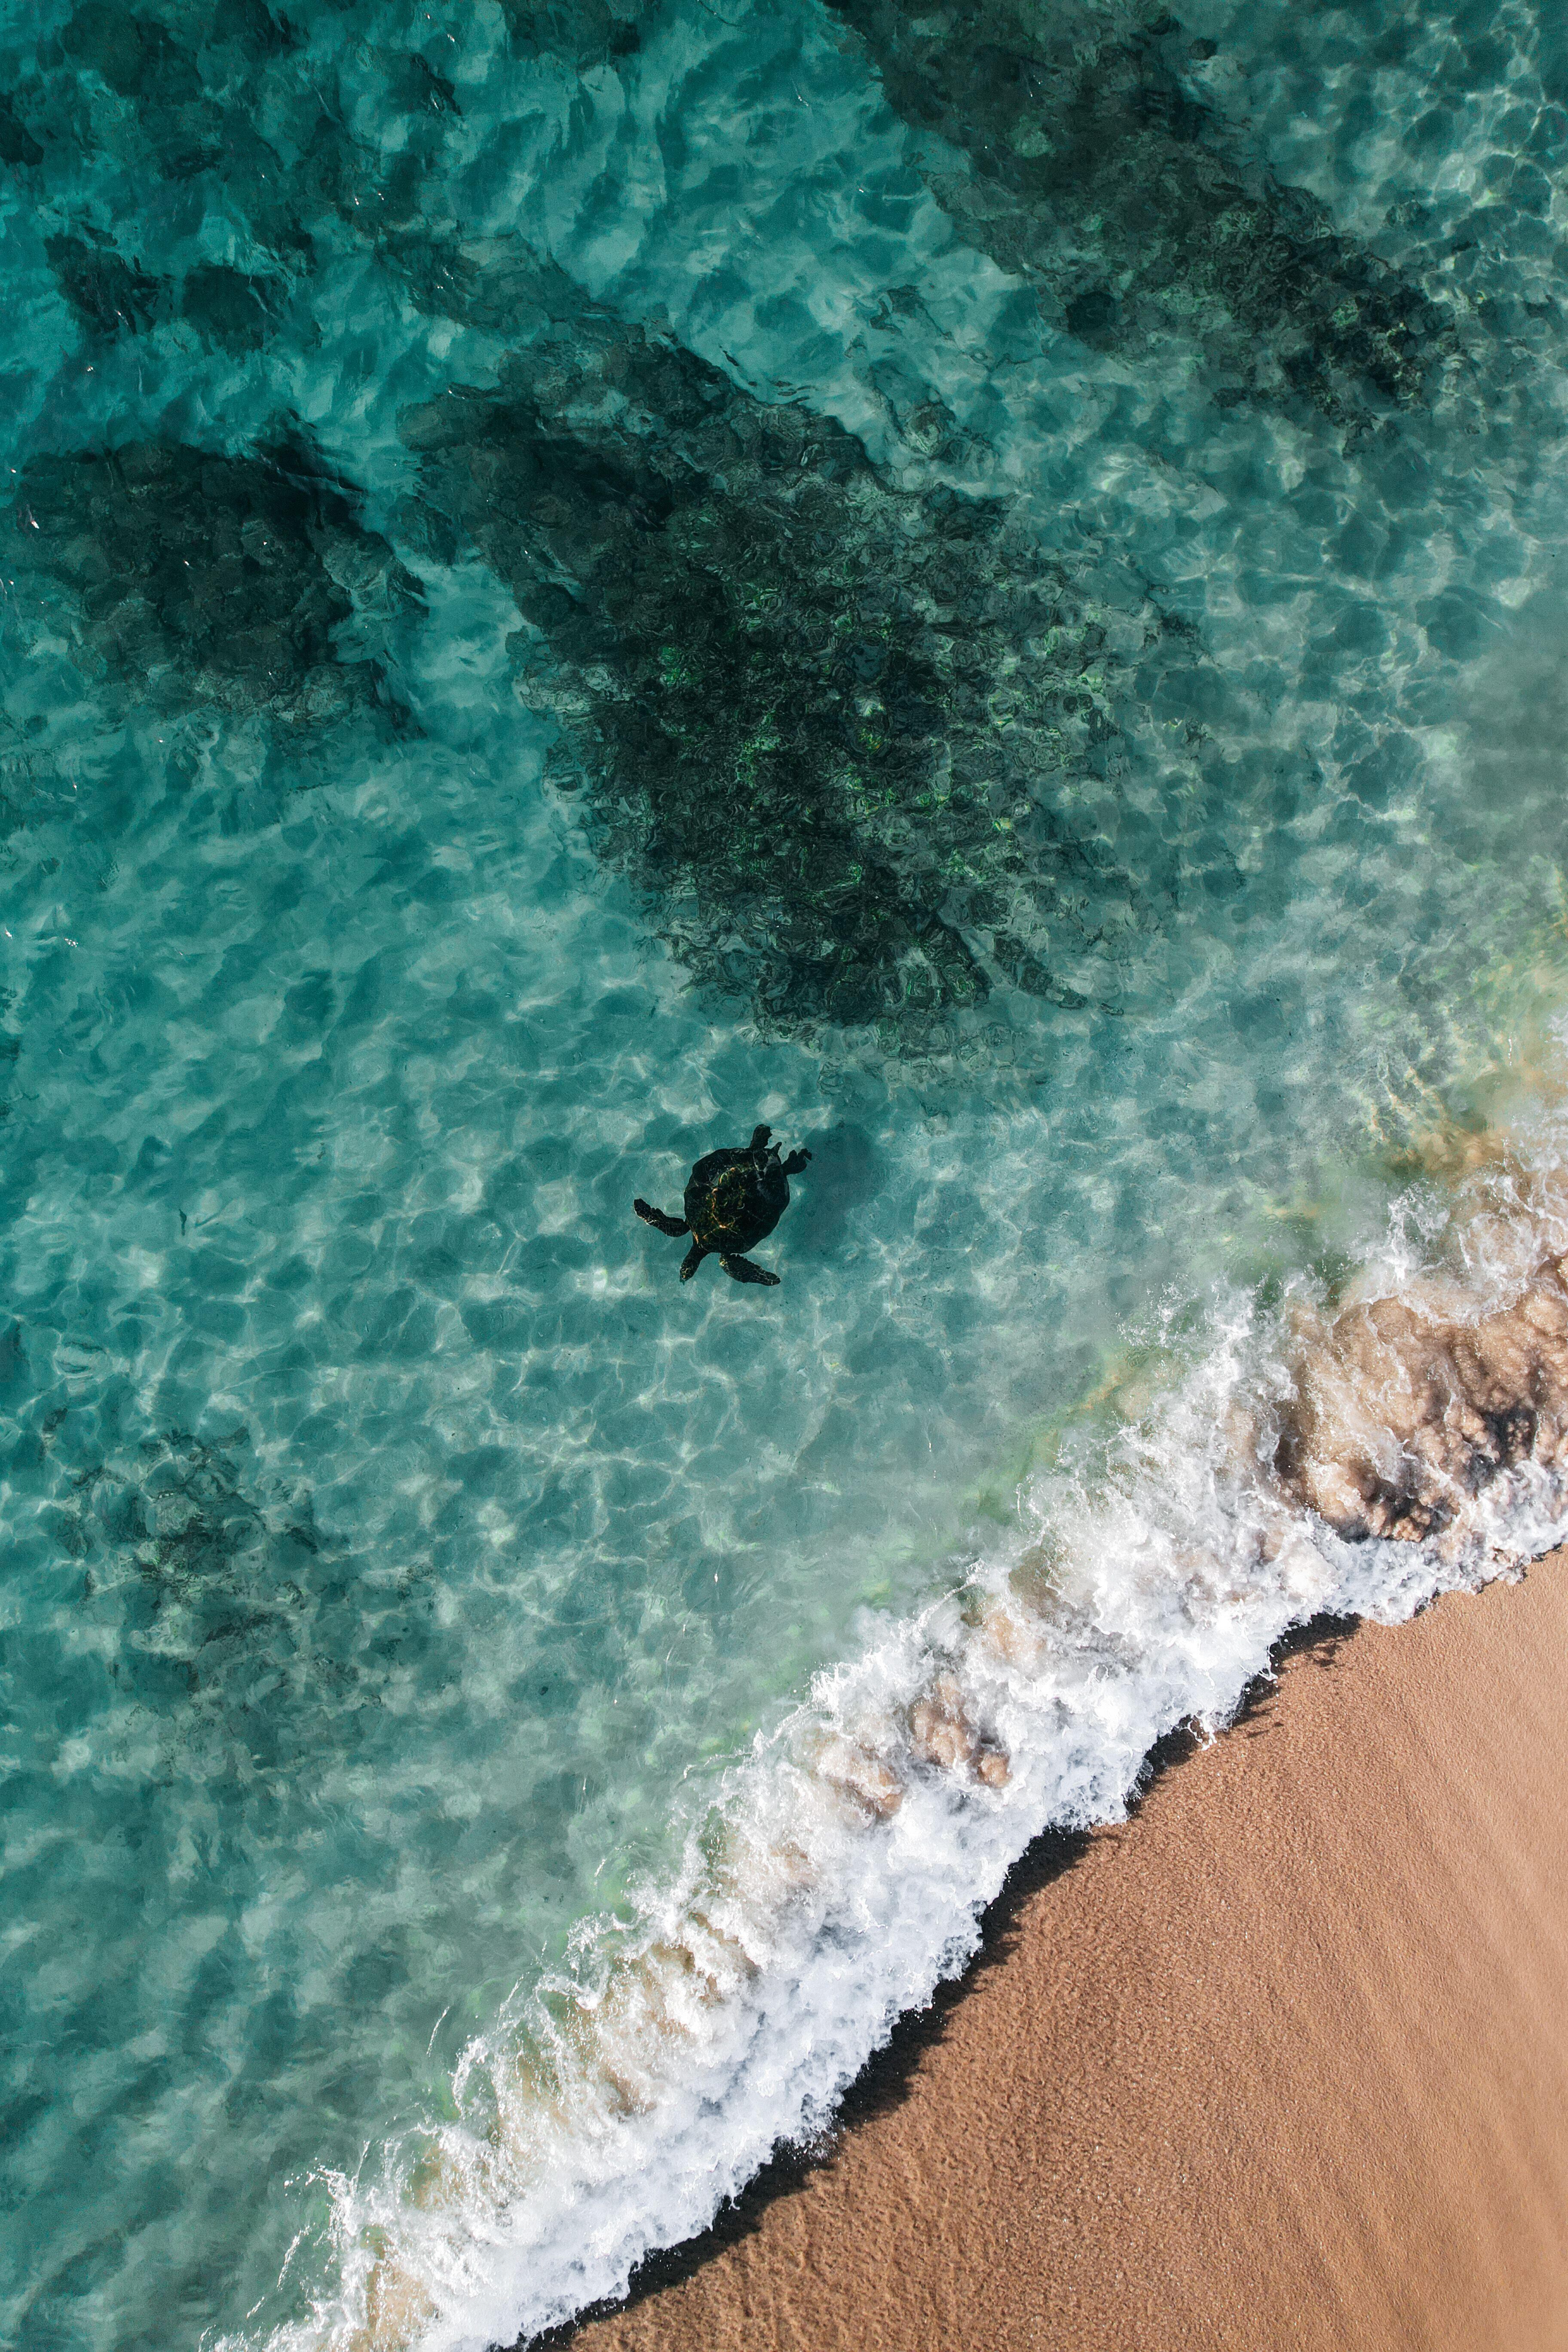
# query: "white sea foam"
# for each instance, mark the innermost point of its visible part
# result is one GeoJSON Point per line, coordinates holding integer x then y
{"type": "Point", "coordinates": [840, 1869]}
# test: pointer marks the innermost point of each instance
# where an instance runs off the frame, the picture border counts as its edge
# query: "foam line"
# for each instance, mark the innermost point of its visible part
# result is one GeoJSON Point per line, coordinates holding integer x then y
{"type": "Point", "coordinates": [1357, 1461]}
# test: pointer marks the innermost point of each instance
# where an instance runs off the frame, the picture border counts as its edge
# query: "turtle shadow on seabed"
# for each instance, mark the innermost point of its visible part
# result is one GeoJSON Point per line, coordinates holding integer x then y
{"type": "Point", "coordinates": [846, 1172]}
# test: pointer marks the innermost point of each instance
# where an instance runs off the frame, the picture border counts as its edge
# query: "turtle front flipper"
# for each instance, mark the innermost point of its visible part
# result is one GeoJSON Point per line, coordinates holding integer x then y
{"type": "Point", "coordinates": [759, 1137]}
{"type": "Point", "coordinates": [796, 1162]}
{"type": "Point", "coordinates": [741, 1269]}
{"type": "Point", "coordinates": [673, 1226]}
{"type": "Point", "coordinates": [692, 1260]}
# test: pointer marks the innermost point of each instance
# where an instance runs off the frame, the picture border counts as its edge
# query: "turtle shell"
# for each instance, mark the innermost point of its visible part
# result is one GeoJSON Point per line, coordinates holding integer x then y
{"type": "Point", "coordinates": [735, 1199]}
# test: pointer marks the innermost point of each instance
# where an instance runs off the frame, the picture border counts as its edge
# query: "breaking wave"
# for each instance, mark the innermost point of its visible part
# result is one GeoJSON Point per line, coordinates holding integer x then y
{"type": "Point", "coordinates": [1356, 1452]}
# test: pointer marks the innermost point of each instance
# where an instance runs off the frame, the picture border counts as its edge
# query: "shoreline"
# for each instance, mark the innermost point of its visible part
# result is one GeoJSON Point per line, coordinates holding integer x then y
{"type": "Point", "coordinates": [1281, 2058]}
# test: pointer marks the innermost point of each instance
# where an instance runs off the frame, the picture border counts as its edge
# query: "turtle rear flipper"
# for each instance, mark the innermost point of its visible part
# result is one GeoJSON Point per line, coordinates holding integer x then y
{"type": "Point", "coordinates": [659, 1222]}
{"type": "Point", "coordinates": [741, 1269]}
{"type": "Point", "coordinates": [692, 1260]}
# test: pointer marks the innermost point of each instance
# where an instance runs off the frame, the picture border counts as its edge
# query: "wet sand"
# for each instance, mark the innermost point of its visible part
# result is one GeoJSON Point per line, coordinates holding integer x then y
{"type": "Point", "coordinates": [1280, 2063]}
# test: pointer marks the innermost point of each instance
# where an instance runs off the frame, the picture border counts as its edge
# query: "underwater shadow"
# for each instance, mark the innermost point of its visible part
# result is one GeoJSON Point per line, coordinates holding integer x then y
{"type": "Point", "coordinates": [846, 1172]}
{"type": "Point", "coordinates": [887, 2079]}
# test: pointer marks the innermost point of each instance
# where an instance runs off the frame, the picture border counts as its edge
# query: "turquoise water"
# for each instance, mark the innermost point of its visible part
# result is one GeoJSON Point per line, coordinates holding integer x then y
{"type": "Point", "coordinates": [575, 581]}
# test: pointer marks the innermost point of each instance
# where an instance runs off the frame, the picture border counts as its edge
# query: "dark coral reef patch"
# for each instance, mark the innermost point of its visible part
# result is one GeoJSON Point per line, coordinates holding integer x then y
{"type": "Point", "coordinates": [199, 578]}
{"type": "Point", "coordinates": [241, 1623]}
{"type": "Point", "coordinates": [109, 294]}
{"type": "Point", "coordinates": [1099, 170]}
{"type": "Point", "coordinates": [112, 294]}
{"type": "Point", "coordinates": [830, 728]}
{"type": "Point", "coordinates": [587, 32]}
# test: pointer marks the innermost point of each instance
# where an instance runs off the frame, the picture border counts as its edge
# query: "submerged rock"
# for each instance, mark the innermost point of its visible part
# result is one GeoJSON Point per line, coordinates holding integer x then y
{"type": "Point", "coordinates": [865, 1780]}
{"type": "Point", "coordinates": [201, 578]}
{"type": "Point", "coordinates": [832, 729]}
{"type": "Point", "coordinates": [240, 1623]}
{"type": "Point", "coordinates": [1404, 1413]}
{"type": "Point", "coordinates": [232, 308]}
{"type": "Point", "coordinates": [109, 294]}
{"type": "Point", "coordinates": [188, 90]}
{"type": "Point", "coordinates": [1099, 171]}
{"type": "Point", "coordinates": [587, 32]}
{"type": "Point", "coordinates": [944, 1733]}
{"type": "Point", "coordinates": [135, 54]}
{"type": "Point", "coordinates": [112, 295]}
{"type": "Point", "coordinates": [19, 147]}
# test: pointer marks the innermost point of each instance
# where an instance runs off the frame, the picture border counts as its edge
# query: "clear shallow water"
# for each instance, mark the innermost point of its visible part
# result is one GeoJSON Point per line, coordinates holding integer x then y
{"type": "Point", "coordinates": [397, 1552]}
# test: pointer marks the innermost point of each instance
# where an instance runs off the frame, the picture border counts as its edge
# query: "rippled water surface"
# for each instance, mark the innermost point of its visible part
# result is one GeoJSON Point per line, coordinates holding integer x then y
{"type": "Point", "coordinates": [985, 588]}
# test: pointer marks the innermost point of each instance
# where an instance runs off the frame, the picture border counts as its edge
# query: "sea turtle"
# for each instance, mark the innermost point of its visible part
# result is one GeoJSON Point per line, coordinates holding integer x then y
{"type": "Point", "coordinates": [733, 1199]}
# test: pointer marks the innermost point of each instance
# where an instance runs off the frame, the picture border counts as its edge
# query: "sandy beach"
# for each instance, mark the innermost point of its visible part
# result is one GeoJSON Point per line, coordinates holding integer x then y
{"type": "Point", "coordinates": [1281, 2062]}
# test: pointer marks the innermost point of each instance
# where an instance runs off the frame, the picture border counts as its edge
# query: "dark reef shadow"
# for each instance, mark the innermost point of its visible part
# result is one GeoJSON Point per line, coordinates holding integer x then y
{"type": "Point", "coordinates": [885, 2081]}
